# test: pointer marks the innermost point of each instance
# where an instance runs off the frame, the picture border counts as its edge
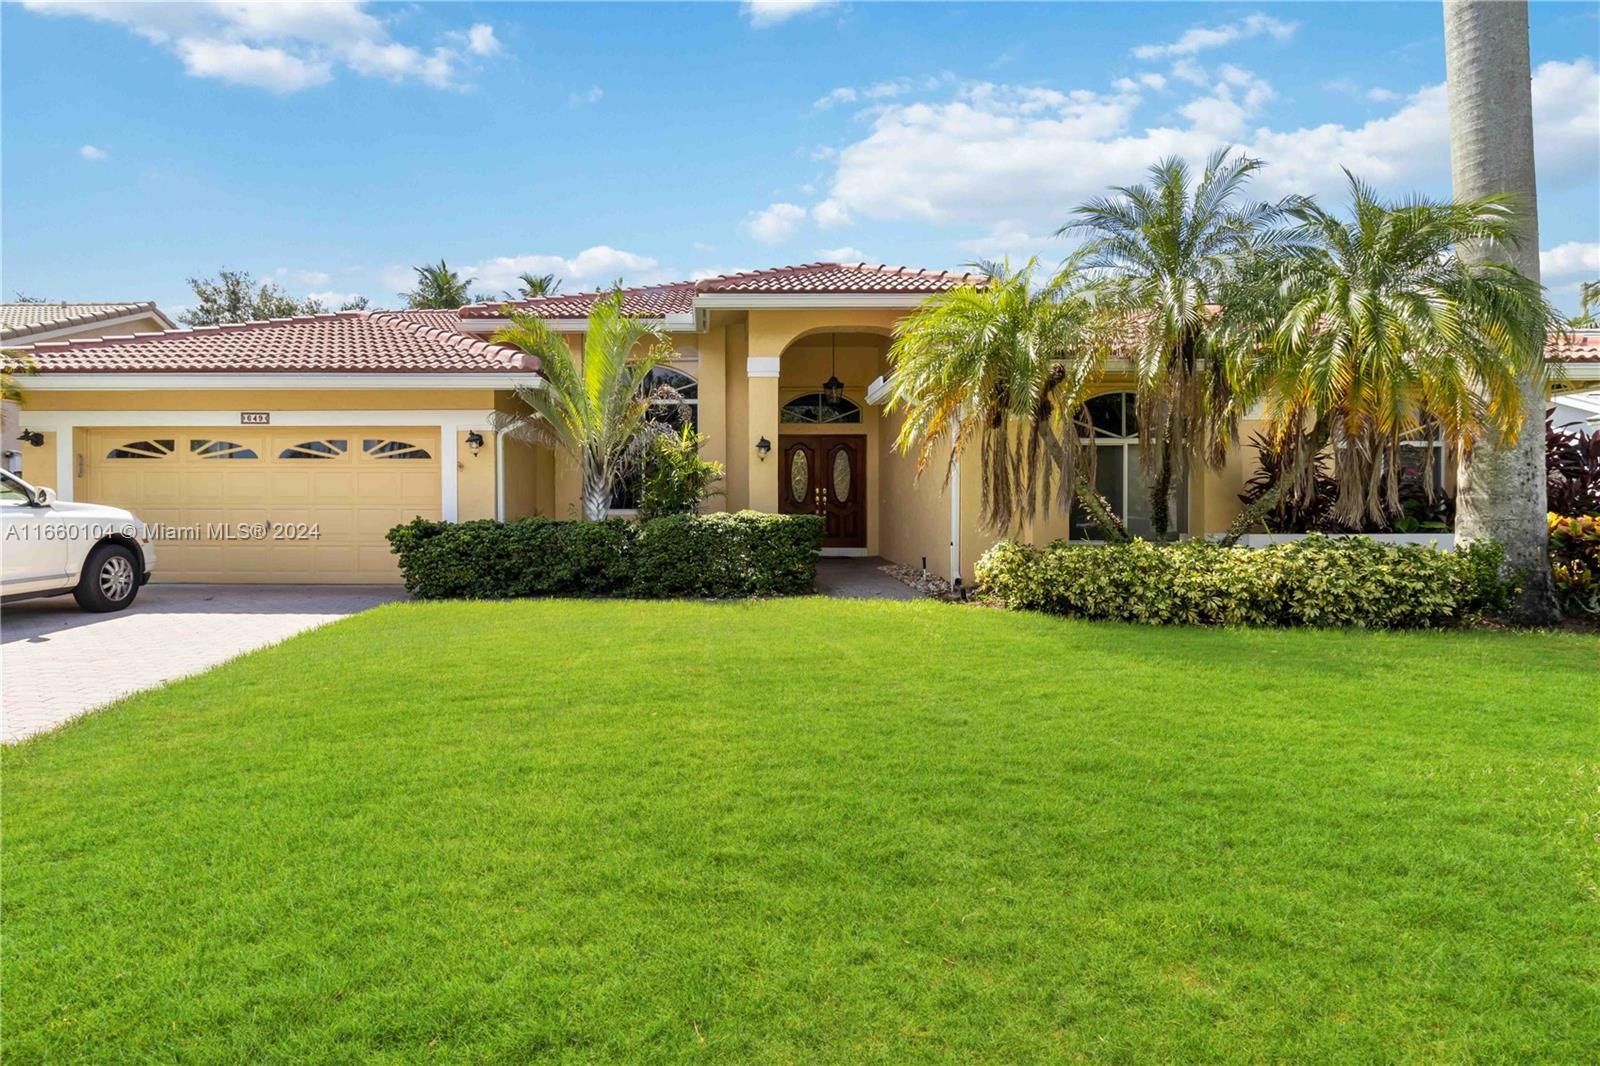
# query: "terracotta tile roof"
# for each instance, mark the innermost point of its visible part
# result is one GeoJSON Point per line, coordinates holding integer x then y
{"type": "Point", "coordinates": [841, 279]}
{"type": "Point", "coordinates": [1574, 346]}
{"type": "Point", "coordinates": [648, 301]}
{"type": "Point", "coordinates": [345, 342]}
{"type": "Point", "coordinates": [677, 298]}
{"type": "Point", "coordinates": [21, 320]}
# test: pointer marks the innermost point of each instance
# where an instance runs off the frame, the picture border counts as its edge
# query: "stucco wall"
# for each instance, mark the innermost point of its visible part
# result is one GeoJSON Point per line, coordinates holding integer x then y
{"type": "Point", "coordinates": [916, 512]}
{"type": "Point", "coordinates": [475, 483]}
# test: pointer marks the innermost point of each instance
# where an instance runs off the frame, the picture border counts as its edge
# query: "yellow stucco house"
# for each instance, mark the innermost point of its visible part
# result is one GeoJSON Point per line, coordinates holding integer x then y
{"type": "Point", "coordinates": [351, 422]}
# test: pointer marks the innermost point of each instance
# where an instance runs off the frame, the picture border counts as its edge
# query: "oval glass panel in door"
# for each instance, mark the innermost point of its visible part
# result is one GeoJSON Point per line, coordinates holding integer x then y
{"type": "Point", "coordinates": [841, 475]}
{"type": "Point", "coordinates": [799, 475]}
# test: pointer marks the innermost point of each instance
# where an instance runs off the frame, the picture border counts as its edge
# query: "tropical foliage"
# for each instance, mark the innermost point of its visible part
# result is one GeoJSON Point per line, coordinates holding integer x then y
{"type": "Point", "coordinates": [236, 296]}
{"type": "Point", "coordinates": [441, 288]}
{"type": "Point", "coordinates": [1572, 471]}
{"type": "Point", "coordinates": [1364, 330]}
{"type": "Point", "coordinates": [1575, 563]}
{"type": "Point", "coordinates": [1318, 581]}
{"type": "Point", "coordinates": [1172, 248]}
{"type": "Point", "coordinates": [1007, 366]}
{"type": "Point", "coordinates": [674, 478]}
{"type": "Point", "coordinates": [531, 286]}
{"type": "Point", "coordinates": [593, 407]}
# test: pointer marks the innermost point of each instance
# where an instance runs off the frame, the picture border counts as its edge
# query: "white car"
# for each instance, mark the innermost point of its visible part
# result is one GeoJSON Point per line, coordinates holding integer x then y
{"type": "Point", "coordinates": [102, 555]}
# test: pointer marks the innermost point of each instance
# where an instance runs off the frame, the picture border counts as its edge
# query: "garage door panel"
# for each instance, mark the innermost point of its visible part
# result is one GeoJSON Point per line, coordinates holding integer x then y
{"type": "Point", "coordinates": [317, 477]}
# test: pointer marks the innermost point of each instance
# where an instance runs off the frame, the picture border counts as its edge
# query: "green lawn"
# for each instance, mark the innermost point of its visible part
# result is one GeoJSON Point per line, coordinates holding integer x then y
{"type": "Point", "coordinates": [813, 830]}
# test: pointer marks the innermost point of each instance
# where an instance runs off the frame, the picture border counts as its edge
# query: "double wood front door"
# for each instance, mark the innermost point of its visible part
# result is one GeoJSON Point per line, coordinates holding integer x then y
{"type": "Point", "coordinates": [826, 476]}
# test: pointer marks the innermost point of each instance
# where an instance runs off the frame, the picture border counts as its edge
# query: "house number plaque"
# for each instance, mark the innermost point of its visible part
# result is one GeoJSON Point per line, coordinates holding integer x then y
{"type": "Point", "coordinates": [255, 418]}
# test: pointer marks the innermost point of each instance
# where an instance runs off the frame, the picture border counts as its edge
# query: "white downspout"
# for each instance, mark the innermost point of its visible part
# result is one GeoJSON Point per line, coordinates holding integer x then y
{"type": "Point", "coordinates": [955, 518]}
{"type": "Point", "coordinates": [499, 476]}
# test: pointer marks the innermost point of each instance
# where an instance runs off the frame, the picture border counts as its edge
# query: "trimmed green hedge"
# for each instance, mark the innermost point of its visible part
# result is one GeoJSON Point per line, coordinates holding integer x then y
{"type": "Point", "coordinates": [716, 555]}
{"type": "Point", "coordinates": [1318, 581]}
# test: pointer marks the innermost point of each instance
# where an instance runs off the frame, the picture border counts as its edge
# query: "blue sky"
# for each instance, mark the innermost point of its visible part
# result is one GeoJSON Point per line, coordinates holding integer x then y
{"type": "Point", "coordinates": [329, 146]}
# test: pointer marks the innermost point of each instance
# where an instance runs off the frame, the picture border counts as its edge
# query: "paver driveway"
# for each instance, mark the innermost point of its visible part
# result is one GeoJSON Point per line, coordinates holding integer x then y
{"type": "Point", "coordinates": [59, 662]}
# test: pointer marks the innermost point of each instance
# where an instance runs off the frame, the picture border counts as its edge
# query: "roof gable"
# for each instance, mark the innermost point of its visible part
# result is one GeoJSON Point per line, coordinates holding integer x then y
{"type": "Point", "coordinates": [18, 321]}
{"type": "Point", "coordinates": [342, 342]}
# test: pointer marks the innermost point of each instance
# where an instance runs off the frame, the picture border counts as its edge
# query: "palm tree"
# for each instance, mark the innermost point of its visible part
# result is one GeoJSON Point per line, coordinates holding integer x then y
{"type": "Point", "coordinates": [1171, 248]}
{"type": "Point", "coordinates": [1009, 365]}
{"type": "Point", "coordinates": [1589, 298]}
{"type": "Point", "coordinates": [1360, 332]}
{"type": "Point", "coordinates": [1502, 490]}
{"type": "Point", "coordinates": [591, 409]}
{"type": "Point", "coordinates": [440, 287]}
{"type": "Point", "coordinates": [531, 286]}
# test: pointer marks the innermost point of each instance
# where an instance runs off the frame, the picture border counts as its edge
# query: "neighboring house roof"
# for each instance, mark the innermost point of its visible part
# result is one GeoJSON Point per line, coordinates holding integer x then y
{"type": "Point", "coordinates": [647, 301]}
{"type": "Point", "coordinates": [20, 321]}
{"type": "Point", "coordinates": [343, 342]}
{"type": "Point", "coordinates": [806, 279]}
{"type": "Point", "coordinates": [1576, 409]}
{"type": "Point", "coordinates": [840, 279]}
{"type": "Point", "coordinates": [1574, 346]}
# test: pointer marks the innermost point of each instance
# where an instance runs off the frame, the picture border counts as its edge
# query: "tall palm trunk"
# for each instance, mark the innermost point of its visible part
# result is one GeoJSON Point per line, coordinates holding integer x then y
{"type": "Point", "coordinates": [1501, 490]}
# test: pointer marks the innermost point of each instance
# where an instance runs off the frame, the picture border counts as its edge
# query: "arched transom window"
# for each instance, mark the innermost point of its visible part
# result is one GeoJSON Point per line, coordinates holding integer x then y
{"type": "Point", "coordinates": [816, 409]}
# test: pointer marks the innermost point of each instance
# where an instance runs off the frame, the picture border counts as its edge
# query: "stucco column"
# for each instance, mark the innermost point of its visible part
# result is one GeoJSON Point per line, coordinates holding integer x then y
{"type": "Point", "coordinates": [762, 377]}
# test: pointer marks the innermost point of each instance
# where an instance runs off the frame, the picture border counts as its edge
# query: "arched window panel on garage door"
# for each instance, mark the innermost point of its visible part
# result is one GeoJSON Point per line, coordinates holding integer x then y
{"type": "Point", "coordinates": [384, 448]}
{"type": "Point", "coordinates": [143, 449]}
{"type": "Point", "coordinates": [220, 449]}
{"type": "Point", "coordinates": [328, 448]}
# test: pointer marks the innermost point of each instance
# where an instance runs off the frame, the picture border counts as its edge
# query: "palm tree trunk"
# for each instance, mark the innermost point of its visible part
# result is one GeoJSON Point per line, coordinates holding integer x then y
{"type": "Point", "coordinates": [1501, 490]}
{"type": "Point", "coordinates": [596, 493]}
{"type": "Point", "coordinates": [1255, 512]}
{"type": "Point", "coordinates": [1161, 495]}
{"type": "Point", "coordinates": [1101, 511]}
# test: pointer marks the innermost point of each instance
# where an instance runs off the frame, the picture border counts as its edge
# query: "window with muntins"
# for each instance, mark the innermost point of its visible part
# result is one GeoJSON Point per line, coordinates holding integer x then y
{"type": "Point", "coordinates": [685, 411]}
{"type": "Point", "coordinates": [1118, 473]}
{"type": "Point", "coordinates": [330, 448]}
{"type": "Point", "coordinates": [378, 448]}
{"type": "Point", "coordinates": [220, 449]}
{"type": "Point", "coordinates": [816, 409]}
{"type": "Point", "coordinates": [143, 449]}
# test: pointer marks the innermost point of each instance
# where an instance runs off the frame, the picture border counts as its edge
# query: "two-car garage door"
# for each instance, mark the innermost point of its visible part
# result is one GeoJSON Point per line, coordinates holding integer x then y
{"type": "Point", "coordinates": [305, 504]}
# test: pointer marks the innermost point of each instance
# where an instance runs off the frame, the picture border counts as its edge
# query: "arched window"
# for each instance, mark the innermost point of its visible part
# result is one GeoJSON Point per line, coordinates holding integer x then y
{"type": "Point", "coordinates": [684, 411]}
{"type": "Point", "coordinates": [144, 449]}
{"type": "Point", "coordinates": [816, 409]}
{"type": "Point", "coordinates": [220, 449]}
{"type": "Point", "coordinates": [1118, 473]}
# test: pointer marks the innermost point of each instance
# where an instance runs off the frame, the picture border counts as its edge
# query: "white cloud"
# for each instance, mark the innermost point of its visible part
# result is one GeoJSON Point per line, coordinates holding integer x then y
{"type": "Point", "coordinates": [591, 95]}
{"type": "Point", "coordinates": [590, 268]}
{"type": "Point", "coordinates": [283, 275]}
{"type": "Point", "coordinates": [93, 154]}
{"type": "Point", "coordinates": [764, 13]}
{"type": "Point", "coordinates": [777, 223]}
{"type": "Point", "coordinates": [283, 47]}
{"type": "Point", "coordinates": [1201, 38]}
{"type": "Point", "coordinates": [243, 64]}
{"type": "Point", "coordinates": [1012, 161]}
{"type": "Point", "coordinates": [1567, 266]}
{"type": "Point", "coordinates": [481, 40]}
{"type": "Point", "coordinates": [1190, 71]}
{"type": "Point", "coordinates": [1011, 238]}
{"type": "Point", "coordinates": [1382, 96]}
{"type": "Point", "coordinates": [847, 254]}
{"type": "Point", "coordinates": [830, 213]}
{"type": "Point", "coordinates": [844, 94]}
{"type": "Point", "coordinates": [333, 300]}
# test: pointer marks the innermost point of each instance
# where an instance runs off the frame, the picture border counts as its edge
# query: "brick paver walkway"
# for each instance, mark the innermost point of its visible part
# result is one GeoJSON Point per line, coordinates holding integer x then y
{"type": "Point", "coordinates": [56, 662]}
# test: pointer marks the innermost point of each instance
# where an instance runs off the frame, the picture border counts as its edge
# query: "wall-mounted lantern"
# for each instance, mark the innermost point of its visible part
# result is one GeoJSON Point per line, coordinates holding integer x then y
{"type": "Point", "coordinates": [763, 449]}
{"type": "Point", "coordinates": [474, 442]}
{"type": "Point", "coordinates": [32, 436]}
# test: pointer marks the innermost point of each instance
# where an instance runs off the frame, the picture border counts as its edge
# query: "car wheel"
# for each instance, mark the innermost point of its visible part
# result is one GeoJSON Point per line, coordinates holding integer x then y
{"type": "Point", "coordinates": [110, 579]}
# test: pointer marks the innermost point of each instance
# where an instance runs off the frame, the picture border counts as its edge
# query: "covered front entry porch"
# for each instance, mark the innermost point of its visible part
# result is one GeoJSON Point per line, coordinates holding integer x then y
{"type": "Point", "coordinates": [822, 448]}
